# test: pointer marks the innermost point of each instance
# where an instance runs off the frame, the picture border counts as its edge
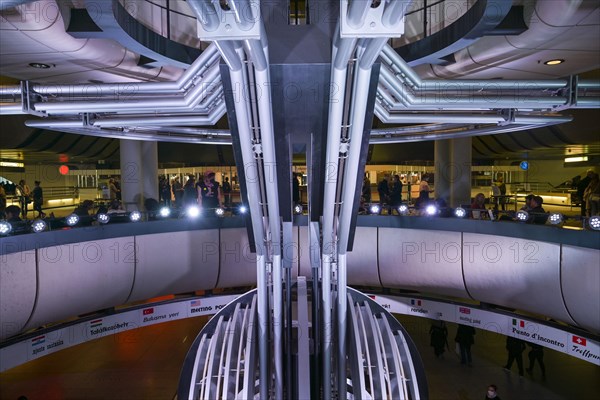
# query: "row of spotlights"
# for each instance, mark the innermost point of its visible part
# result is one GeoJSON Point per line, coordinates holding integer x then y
{"type": "Point", "coordinates": [522, 215]}
{"type": "Point", "coordinates": [39, 225]}
{"type": "Point", "coordinates": [193, 211]}
{"type": "Point", "coordinates": [5, 227]}
{"type": "Point", "coordinates": [103, 218]}
{"type": "Point", "coordinates": [135, 216]}
{"type": "Point", "coordinates": [72, 219]}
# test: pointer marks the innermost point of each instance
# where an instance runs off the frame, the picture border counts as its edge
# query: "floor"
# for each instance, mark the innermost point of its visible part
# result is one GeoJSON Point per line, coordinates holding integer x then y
{"type": "Point", "coordinates": [145, 364]}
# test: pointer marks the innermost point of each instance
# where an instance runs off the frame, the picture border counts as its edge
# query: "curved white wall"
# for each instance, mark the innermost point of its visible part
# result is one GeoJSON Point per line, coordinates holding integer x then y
{"type": "Point", "coordinates": [56, 283]}
{"type": "Point", "coordinates": [18, 282]}
{"type": "Point", "coordinates": [78, 278]}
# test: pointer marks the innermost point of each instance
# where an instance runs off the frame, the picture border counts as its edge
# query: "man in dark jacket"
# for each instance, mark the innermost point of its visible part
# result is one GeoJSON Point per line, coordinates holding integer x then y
{"type": "Point", "coordinates": [537, 214]}
{"type": "Point", "coordinates": [465, 339]}
{"type": "Point", "coordinates": [515, 348]}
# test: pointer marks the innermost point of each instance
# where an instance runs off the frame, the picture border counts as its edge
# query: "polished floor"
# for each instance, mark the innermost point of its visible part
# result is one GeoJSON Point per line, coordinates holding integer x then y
{"type": "Point", "coordinates": [145, 363]}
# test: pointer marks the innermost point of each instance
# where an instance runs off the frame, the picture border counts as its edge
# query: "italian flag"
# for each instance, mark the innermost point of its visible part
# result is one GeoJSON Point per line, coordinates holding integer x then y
{"type": "Point", "coordinates": [518, 322]}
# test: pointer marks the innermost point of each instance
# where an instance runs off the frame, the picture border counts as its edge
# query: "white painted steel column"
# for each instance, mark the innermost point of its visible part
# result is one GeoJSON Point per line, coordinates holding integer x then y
{"type": "Point", "coordinates": [342, 306]}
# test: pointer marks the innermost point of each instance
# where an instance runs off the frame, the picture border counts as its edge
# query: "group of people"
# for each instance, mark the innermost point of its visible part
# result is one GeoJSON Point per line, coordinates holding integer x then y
{"type": "Point", "coordinates": [205, 192]}
{"type": "Point", "coordinates": [465, 338]}
{"type": "Point", "coordinates": [25, 196]}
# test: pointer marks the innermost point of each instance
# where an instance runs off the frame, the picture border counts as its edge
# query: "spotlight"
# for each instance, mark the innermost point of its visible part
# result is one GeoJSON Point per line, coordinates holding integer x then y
{"type": "Point", "coordinates": [242, 209]}
{"type": "Point", "coordinates": [375, 209]}
{"type": "Point", "coordinates": [5, 227]}
{"type": "Point", "coordinates": [165, 212]}
{"type": "Point", "coordinates": [135, 216]}
{"type": "Point", "coordinates": [219, 212]}
{"type": "Point", "coordinates": [460, 212]}
{"type": "Point", "coordinates": [72, 220]}
{"type": "Point", "coordinates": [556, 218]}
{"type": "Point", "coordinates": [38, 226]}
{"type": "Point", "coordinates": [594, 222]}
{"type": "Point", "coordinates": [193, 211]}
{"type": "Point", "coordinates": [403, 209]}
{"type": "Point", "coordinates": [103, 218]}
{"type": "Point", "coordinates": [522, 215]}
{"type": "Point", "coordinates": [431, 210]}
{"type": "Point", "coordinates": [297, 209]}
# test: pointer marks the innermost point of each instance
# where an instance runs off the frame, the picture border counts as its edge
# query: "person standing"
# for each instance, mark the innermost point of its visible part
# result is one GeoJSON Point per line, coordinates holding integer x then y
{"type": "Point", "coordinates": [515, 348]}
{"type": "Point", "coordinates": [177, 192]}
{"type": "Point", "coordinates": [2, 200]}
{"type": "Point", "coordinates": [23, 193]}
{"type": "Point", "coordinates": [439, 338]}
{"type": "Point", "coordinates": [501, 199]}
{"type": "Point", "coordinates": [209, 192]}
{"type": "Point", "coordinates": [581, 186]}
{"type": "Point", "coordinates": [227, 192]}
{"type": "Point", "coordinates": [536, 353]}
{"type": "Point", "coordinates": [591, 195]}
{"type": "Point", "coordinates": [492, 393]}
{"type": "Point", "coordinates": [190, 196]}
{"type": "Point", "coordinates": [165, 191]}
{"type": "Point", "coordinates": [38, 199]}
{"type": "Point", "coordinates": [424, 190]}
{"type": "Point", "coordinates": [366, 189]}
{"type": "Point", "coordinates": [112, 187]}
{"type": "Point", "coordinates": [384, 193]}
{"type": "Point", "coordinates": [396, 196]}
{"type": "Point", "coordinates": [465, 339]}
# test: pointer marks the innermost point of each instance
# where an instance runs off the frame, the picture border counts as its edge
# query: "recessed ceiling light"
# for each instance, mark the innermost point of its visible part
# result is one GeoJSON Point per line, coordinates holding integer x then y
{"type": "Point", "coordinates": [40, 65]}
{"type": "Point", "coordinates": [554, 62]}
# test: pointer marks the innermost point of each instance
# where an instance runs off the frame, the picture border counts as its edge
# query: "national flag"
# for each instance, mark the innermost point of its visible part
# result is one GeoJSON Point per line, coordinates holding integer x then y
{"type": "Point", "coordinates": [464, 310]}
{"type": "Point", "coordinates": [96, 323]}
{"type": "Point", "coordinates": [195, 303]}
{"type": "Point", "coordinates": [518, 322]}
{"type": "Point", "coordinates": [579, 340]}
{"type": "Point", "coordinates": [38, 340]}
{"type": "Point", "coordinates": [148, 311]}
{"type": "Point", "coordinates": [415, 302]}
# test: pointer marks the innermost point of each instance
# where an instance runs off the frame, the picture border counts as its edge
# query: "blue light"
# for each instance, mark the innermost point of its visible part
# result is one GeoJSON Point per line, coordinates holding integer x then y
{"type": "Point", "coordinates": [524, 165]}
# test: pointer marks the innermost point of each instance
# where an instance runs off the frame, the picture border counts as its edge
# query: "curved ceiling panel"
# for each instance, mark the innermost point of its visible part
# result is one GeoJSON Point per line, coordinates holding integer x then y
{"type": "Point", "coordinates": [35, 33]}
{"type": "Point", "coordinates": [554, 26]}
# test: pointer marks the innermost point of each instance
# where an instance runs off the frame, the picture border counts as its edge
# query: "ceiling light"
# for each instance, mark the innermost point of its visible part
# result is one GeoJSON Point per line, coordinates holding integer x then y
{"type": "Point", "coordinates": [5, 227]}
{"type": "Point", "coordinates": [40, 65]}
{"type": "Point", "coordinates": [460, 212]}
{"type": "Point", "coordinates": [165, 212]}
{"type": "Point", "coordinates": [39, 226]}
{"type": "Point", "coordinates": [242, 209]}
{"type": "Point", "coordinates": [219, 212]}
{"type": "Point", "coordinates": [72, 219]}
{"type": "Point", "coordinates": [576, 159]}
{"type": "Point", "coordinates": [375, 209]}
{"type": "Point", "coordinates": [556, 218]}
{"type": "Point", "coordinates": [135, 216]}
{"type": "Point", "coordinates": [594, 222]}
{"type": "Point", "coordinates": [103, 218]}
{"type": "Point", "coordinates": [556, 61]}
{"type": "Point", "coordinates": [298, 209]}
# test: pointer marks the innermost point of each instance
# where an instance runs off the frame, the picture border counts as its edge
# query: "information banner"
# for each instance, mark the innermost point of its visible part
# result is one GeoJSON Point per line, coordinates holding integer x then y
{"type": "Point", "coordinates": [531, 331]}
{"type": "Point", "coordinates": [51, 341]}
